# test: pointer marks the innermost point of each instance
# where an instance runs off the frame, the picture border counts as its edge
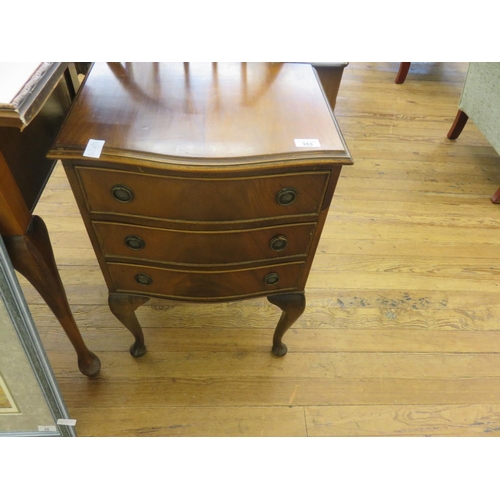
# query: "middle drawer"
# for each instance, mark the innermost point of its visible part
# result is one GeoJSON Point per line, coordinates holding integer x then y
{"type": "Point", "coordinates": [198, 248]}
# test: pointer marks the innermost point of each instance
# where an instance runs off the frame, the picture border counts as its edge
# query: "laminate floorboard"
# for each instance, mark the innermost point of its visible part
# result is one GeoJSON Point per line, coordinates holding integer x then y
{"type": "Point", "coordinates": [401, 333]}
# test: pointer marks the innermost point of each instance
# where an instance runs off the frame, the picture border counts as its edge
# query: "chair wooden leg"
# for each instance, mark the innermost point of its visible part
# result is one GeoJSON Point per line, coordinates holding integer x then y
{"type": "Point", "coordinates": [496, 197]}
{"type": "Point", "coordinates": [32, 256]}
{"type": "Point", "coordinates": [458, 125]}
{"type": "Point", "coordinates": [404, 67]}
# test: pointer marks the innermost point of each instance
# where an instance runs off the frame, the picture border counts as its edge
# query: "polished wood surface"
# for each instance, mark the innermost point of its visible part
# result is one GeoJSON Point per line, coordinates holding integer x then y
{"type": "Point", "coordinates": [400, 333]}
{"type": "Point", "coordinates": [142, 243]}
{"type": "Point", "coordinates": [203, 111]}
{"type": "Point", "coordinates": [205, 285]}
{"type": "Point", "coordinates": [200, 199]}
{"type": "Point", "coordinates": [204, 180]}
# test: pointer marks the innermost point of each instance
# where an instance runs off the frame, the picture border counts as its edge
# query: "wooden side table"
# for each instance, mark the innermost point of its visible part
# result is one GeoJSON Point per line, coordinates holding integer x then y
{"type": "Point", "coordinates": [34, 100]}
{"type": "Point", "coordinates": [213, 184]}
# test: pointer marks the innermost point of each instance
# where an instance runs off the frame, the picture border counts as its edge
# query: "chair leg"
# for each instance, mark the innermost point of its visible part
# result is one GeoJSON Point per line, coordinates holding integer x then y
{"type": "Point", "coordinates": [456, 130]}
{"type": "Point", "coordinates": [458, 125]}
{"type": "Point", "coordinates": [404, 67]}
{"type": "Point", "coordinates": [496, 197]}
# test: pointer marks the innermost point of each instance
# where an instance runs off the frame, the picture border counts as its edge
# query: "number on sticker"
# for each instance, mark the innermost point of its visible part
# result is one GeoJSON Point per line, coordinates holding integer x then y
{"type": "Point", "coordinates": [307, 143]}
{"type": "Point", "coordinates": [46, 428]}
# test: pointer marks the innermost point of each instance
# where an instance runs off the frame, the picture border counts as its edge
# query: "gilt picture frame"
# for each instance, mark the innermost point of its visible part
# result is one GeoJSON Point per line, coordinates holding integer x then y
{"type": "Point", "coordinates": [31, 403]}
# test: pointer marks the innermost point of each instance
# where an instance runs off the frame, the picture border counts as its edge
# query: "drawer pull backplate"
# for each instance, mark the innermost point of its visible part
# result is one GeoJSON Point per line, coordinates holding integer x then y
{"type": "Point", "coordinates": [122, 193]}
{"type": "Point", "coordinates": [135, 242]}
{"type": "Point", "coordinates": [143, 279]}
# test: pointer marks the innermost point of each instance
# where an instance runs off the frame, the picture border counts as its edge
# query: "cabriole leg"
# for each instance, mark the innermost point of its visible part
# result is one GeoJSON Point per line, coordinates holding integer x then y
{"type": "Point", "coordinates": [292, 305]}
{"type": "Point", "coordinates": [32, 256]}
{"type": "Point", "coordinates": [123, 306]}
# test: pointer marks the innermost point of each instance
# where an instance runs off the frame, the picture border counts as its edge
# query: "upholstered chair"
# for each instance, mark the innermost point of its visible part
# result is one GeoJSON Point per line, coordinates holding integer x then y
{"type": "Point", "coordinates": [480, 101]}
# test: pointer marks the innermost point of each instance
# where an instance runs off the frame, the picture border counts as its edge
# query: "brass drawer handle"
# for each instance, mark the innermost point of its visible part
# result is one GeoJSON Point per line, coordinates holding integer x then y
{"type": "Point", "coordinates": [135, 242]}
{"type": "Point", "coordinates": [143, 279]}
{"type": "Point", "coordinates": [278, 243]}
{"type": "Point", "coordinates": [271, 279]}
{"type": "Point", "coordinates": [286, 196]}
{"type": "Point", "coordinates": [122, 193]}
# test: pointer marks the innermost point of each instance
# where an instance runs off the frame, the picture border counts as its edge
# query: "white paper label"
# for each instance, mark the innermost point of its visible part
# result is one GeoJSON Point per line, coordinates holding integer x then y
{"type": "Point", "coordinates": [94, 148]}
{"type": "Point", "coordinates": [307, 143]}
{"type": "Point", "coordinates": [47, 428]}
{"type": "Point", "coordinates": [66, 421]}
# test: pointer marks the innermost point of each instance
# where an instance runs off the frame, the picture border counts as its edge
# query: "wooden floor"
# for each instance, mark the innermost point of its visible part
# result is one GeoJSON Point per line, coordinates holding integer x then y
{"type": "Point", "coordinates": [401, 334]}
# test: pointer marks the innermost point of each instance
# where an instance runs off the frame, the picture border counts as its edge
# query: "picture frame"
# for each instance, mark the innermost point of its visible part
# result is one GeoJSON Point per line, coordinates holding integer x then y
{"type": "Point", "coordinates": [31, 403]}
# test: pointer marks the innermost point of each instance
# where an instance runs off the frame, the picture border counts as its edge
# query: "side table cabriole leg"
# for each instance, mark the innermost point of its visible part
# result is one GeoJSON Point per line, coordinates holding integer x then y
{"type": "Point", "coordinates": [123, 306]}
{"type": "Point", "coordinates": [32, 256]}
{"type": "Point", "coordinates": [292, 305]}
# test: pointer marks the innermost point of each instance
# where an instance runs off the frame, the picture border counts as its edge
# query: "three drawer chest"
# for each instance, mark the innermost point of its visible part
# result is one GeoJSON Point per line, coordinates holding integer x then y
{"type": "Point", "coordinates": [203, 182]}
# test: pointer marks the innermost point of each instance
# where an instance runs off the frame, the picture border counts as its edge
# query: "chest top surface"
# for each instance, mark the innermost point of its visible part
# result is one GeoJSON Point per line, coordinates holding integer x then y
{"type": "Point", "coordinates": [202, 113]}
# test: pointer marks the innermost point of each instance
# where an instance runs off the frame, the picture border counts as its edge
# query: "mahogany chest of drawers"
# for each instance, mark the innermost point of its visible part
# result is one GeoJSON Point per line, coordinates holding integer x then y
{"type": "Point", "coordinates": [213, 184]}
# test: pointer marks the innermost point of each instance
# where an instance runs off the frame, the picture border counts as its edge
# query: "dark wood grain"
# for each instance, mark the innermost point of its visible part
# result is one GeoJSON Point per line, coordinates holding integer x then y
{"type": "Point", "coordinates": [200, 173]}
{"type": "Point", "coordinates": [200, 199]}
{"type": "Point", "coordinates": [204, 285]}
{"type": "Point", "coordinates": [203, 248]}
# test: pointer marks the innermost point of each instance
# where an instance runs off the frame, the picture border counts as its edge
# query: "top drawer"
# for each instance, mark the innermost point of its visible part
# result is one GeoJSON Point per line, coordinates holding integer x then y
{"type": "Point", "coordinates": [202, 199]}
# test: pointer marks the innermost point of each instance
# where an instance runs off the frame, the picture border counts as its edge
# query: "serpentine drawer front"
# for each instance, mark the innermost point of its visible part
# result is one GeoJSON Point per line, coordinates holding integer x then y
{"type": "Point", "coordinates": [201, 248]}
{"type": "Point", "coordinates": [197, 285]}
{"type": "Point", "coordinates": [192, 199]}
{"type": "Point", "coordinates": [213, 184]}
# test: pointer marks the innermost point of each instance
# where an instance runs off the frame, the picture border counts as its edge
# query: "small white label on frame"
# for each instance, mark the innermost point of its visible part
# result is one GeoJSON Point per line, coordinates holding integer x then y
{"type": "Point", "coordinates": [307, 143]}
{"type": "Point", "coordinates": [47, 428]}
{"type": "Point", "coordinates": [66, 421]}
{"type": "Point", "coordinates": [94, 148]}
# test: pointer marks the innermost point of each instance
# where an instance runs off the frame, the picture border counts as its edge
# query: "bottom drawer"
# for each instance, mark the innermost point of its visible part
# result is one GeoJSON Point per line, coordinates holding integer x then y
{"type": "Point", "coordinates": [204, 285]}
